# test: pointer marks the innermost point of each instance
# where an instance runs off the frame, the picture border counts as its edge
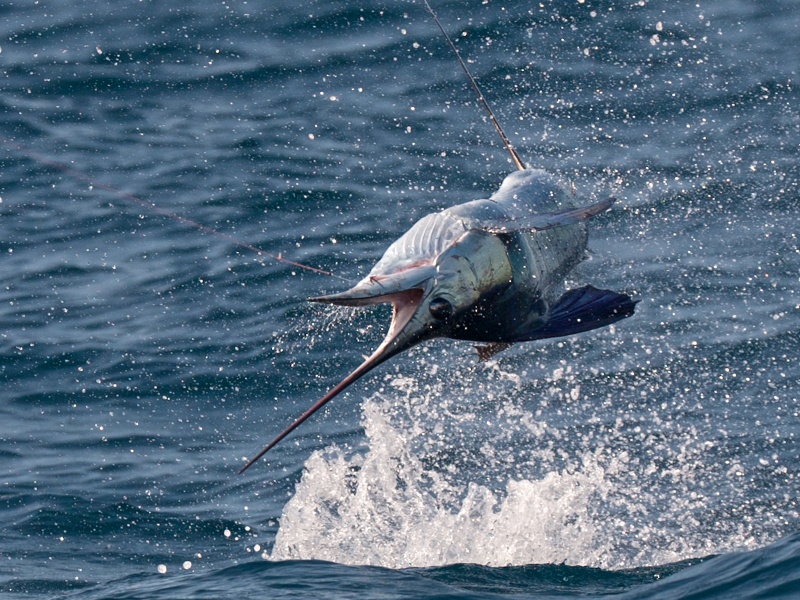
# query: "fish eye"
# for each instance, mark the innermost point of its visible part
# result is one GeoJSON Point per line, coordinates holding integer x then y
{"type": "Point", "coordinates": [440, 309]}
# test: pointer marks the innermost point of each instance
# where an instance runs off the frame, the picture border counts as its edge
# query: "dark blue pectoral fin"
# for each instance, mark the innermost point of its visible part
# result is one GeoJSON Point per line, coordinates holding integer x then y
{"type": "Point", "coordinates": [582, 309]}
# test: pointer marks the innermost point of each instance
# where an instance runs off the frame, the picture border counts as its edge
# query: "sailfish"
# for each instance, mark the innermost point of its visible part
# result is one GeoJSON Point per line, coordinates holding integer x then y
{"type": "Point", "coordinates": [487, 271]}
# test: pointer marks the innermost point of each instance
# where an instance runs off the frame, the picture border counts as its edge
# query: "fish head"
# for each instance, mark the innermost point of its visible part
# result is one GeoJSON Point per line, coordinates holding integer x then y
{"type": "Point", "coordinates": [405, 277]}
{"type": "Point", "coordinates": [468, 274]}
{"type": "Point", "coordinates": [431, 295]}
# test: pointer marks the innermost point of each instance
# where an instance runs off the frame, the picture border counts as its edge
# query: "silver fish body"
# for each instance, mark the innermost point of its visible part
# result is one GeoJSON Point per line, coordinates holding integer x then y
{"type": "Point", "coordinates": [486, 271]}
{"type": "Point", "coordinates": [497, 262]}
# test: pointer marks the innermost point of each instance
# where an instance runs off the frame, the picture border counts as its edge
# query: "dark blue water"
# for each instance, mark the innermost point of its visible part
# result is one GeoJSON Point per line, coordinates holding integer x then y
{"type": "Point", "coordinates": [143, 359]}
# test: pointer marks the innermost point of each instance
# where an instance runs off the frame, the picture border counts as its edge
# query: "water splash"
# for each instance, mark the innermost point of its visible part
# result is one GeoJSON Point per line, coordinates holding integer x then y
{"type": "Point", "coordinates": [493, 467]}
{"type": "Point", "coordinates": [385, 508]}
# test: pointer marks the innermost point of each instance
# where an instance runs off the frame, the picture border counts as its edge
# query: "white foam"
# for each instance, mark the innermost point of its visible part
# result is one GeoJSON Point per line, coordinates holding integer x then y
{"type": "Point", "coordinates": [384, 508]}
{"type": "Point", "coordinates": [461, 470]}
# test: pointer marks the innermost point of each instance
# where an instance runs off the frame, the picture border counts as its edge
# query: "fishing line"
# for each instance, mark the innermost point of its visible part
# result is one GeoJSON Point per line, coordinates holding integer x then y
{"type": "Point", "coordinates": [152, 207]}
{"type": "Point", "coordinates": [506, 142]}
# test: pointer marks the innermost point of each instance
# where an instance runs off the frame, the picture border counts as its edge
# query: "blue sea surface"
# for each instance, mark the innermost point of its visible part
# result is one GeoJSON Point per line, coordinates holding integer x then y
{"type": "Point", "coordinates": [161, 162]}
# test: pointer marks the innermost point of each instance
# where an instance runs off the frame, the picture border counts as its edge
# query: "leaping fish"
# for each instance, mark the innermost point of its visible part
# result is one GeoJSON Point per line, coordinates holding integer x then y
{"type": "Point", "coordinates": [486, 271]}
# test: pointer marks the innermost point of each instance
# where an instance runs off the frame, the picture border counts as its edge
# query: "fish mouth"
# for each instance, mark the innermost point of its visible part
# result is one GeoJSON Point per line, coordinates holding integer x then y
{"type": "Point", "coordinates": [382, 289]}
{"type": "Point", "coordinates": [406, 290]}
{"type": "Point", "coordinates": [408, 328]}
{"type": "Point", "coordinates": [405, 306]}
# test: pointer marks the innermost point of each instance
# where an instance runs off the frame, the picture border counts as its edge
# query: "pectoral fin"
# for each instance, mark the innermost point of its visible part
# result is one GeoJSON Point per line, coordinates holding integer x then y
{"type": "Point", "coordinates": [542, 221]}
{"type": "Point", "coordinates": [582, 309]}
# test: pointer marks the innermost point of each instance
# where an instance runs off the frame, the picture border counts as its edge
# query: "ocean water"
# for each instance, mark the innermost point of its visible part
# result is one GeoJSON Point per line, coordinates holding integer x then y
{"type": "Point", "coordinates": [161, 162]}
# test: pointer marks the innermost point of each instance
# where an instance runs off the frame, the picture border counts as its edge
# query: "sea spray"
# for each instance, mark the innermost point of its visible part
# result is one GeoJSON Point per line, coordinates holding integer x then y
{"type": "Point", "coordinates": [383, 507]}
{"type": "Point", "coordinates": [413, 495]}
{"type": "Point", "coordinates": [483, 463]}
